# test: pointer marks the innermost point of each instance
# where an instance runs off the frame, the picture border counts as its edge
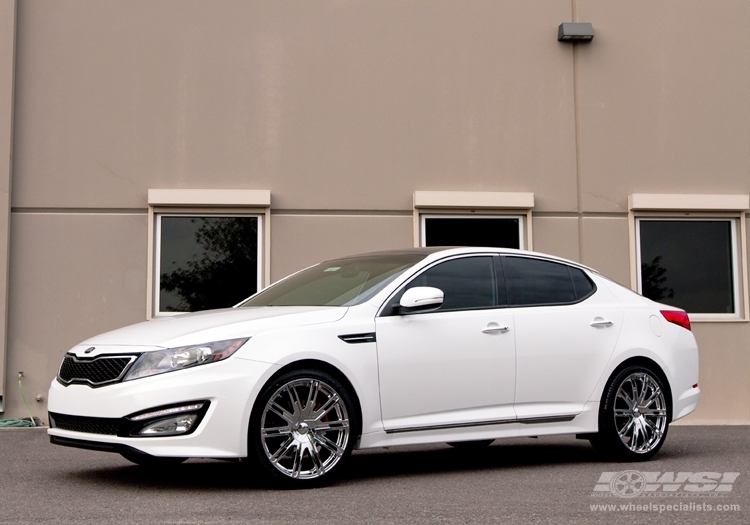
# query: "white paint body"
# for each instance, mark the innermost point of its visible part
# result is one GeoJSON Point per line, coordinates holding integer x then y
{"type": "Point", "coordinates": [432, 377]}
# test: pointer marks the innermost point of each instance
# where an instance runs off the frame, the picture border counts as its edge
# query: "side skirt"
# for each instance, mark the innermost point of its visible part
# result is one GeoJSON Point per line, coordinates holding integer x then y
{"type": "Point", "coordinates": [525, 421]}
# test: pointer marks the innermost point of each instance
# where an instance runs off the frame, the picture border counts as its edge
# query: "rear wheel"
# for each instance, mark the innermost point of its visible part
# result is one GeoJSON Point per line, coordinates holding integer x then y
{"type": "Point", "coordinates": [303, 428]}
{"type": "Point", "coordinates": [634, 416]}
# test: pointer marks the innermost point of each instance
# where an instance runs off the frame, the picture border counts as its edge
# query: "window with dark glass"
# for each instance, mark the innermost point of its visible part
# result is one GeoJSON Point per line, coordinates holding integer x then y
{"type": "Point", "coordinates": [468, 282]}
{"type": "Point", "coordinates": [532, 282]}
{"type": "Point", "coordinates": [688, 264]}
{"type": "Point", "coordinates": [205, 262]}
{"type": "Point", "coordinates": [581, 284]}
{"type": "Point", "coordinates": [493, 232]}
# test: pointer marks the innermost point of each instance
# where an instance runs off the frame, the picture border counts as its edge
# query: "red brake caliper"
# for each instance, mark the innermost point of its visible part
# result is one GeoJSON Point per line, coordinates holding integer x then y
{"type": "Point", "coordinates": [317, 407]}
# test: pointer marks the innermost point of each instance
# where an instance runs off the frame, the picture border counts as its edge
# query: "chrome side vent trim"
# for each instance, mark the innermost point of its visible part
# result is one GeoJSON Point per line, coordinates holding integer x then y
{"type": "Point", "coordinates": [354, 339]}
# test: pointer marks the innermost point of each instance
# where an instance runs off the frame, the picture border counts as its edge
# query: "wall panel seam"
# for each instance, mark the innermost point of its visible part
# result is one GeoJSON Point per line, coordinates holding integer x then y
{"type": "Point", "coordinates": [81, 211]}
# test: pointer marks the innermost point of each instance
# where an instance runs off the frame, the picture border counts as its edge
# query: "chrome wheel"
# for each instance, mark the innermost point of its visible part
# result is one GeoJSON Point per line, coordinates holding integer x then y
{"type": "Point", "coordinates": [640, 413]}
{"type": "Point", "coordinates": [633, 416]}
{"type": "Point", "coordinates": [305, 428]}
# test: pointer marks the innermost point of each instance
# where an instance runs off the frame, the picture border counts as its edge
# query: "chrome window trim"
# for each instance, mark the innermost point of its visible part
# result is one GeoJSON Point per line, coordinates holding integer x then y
{"type": "Point", "coordinates": [586, 270]}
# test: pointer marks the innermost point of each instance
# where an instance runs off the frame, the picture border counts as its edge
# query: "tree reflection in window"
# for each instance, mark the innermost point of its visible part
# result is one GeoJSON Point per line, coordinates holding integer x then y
{"type": "Point", "coordinates": [207, 262]}
{"type": "Point", "coordinates": [653, 277]}
{"type": "Point", "coordinates": [689, 263]}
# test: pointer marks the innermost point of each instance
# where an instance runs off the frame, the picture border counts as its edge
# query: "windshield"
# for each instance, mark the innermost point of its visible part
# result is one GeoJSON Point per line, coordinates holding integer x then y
{"type": "Point", "coordinates": [341, 282]}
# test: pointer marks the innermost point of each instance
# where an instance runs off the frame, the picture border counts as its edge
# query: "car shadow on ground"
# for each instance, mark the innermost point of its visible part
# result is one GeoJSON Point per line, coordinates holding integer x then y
{"type": "Point", "coordinates": [412, 461]}
{"type": "Point", "coordinates": [364, 465]}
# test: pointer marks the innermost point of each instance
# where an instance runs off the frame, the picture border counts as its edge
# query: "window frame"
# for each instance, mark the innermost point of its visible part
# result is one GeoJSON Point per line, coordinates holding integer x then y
{"type": "Point", "coordinates": [424, 216]}
{"type": "Point", "coordinates": [156, 274]}
{"type": "Point", "coordinates": [467, 204]}
{"type": "Point", "coordinates": [734, 238]}
{"type": "Point", "coordinates": [683, 206]}
{"type": "Point", "coordinates": [207, 202]}
{"type": "Point", "coordinates": [389, 307]}
{"type": "Point", "coordinates": [577, 300]}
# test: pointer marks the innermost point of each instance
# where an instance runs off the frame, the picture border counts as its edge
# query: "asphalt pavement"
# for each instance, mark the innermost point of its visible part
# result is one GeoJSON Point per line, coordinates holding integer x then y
{"type": "Point", "coordinates": [701, 475]}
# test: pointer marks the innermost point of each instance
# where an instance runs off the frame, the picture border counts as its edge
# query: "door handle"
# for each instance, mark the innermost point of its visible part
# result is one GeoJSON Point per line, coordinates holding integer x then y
{"type": "Point", "coordinates": [494, 328]}
{"type": "Point", "coordinates": [601, 323]}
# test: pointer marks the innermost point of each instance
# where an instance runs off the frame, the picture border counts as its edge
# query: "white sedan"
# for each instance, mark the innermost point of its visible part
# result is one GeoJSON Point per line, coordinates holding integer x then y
{"type": "Point", "coordinates": [461, 345]}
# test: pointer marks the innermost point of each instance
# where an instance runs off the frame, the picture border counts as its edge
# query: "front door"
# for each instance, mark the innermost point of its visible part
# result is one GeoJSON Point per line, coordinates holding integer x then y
{"type": "Point", "coordinates": [454, 366]}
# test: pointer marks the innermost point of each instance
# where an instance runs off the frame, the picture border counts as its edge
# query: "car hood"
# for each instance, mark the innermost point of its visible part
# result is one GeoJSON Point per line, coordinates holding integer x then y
{"type": "Point", "coordinates": [214, 325]}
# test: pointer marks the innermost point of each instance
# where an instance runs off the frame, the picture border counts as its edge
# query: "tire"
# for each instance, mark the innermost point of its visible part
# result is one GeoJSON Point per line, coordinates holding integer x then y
{"type": "Point", "coordinates": [146, 460]}
{"type": "Point", "coordinates": [303, 429]}
{"type": "Point", "coordinates": [634, 416]}
{"type": "Point", "coordinates": [471, 445]}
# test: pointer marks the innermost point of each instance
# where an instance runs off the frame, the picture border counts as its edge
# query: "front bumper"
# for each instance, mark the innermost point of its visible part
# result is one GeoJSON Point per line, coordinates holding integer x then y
{"type": "Point", "coordinates": [229, 386]}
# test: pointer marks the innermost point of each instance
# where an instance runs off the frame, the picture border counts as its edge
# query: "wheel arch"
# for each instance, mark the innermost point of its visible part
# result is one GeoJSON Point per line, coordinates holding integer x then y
{"type": "Point", "coordinates": [650, 364]}
{"type": "Point", "coordinates": [315, 364]}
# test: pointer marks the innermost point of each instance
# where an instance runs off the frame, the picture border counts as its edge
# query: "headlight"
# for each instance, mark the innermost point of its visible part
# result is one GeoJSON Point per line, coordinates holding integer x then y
{"type": "Point", "coordinates": [161, 361]}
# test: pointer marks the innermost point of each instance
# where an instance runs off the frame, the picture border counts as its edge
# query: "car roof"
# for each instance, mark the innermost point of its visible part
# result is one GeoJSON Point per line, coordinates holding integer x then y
{"type": "Point", "coordinates": [433, 253]}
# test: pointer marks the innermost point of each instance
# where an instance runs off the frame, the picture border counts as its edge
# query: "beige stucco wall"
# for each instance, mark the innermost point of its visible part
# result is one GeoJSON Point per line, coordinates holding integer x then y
{"type": "Point", "coordinates": [663, 99]}
{"type": "Point", "coordinates": [7, 79]}
{"type": "Point", "coordinates": [334, 236]}
{"type": "Point", "coordinates": [724, 365]}
{"type": "Point", "coordinates": [605, 247]}
{"type": "Point", "coordinates": [73, 275]}
{"type": "Point", "coordinates": [556, 235]}
{"type": "Point", "coordinates": [312, 100]}
{"type": "Point", "coordinates": [343, 109]}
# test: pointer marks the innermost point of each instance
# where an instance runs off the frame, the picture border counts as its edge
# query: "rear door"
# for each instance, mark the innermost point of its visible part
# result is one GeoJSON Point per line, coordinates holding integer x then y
{"type": "Point", "coordinates": [565, 330]}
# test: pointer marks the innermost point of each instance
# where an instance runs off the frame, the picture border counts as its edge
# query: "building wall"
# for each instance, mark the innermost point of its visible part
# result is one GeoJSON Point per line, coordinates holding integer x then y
{"type": "Point", "coordinates": [343, 109]}
{"type": "Point", "coordinates": [7, 59]}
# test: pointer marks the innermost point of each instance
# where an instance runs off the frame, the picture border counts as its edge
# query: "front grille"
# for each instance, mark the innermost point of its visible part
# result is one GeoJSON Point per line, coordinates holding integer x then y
{"type": "Point", "coordinates": [91, 425]}
{"type": "Point", "coordinates": [95, 371]}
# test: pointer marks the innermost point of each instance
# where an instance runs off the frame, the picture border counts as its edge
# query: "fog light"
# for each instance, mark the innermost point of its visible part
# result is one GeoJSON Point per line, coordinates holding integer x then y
{"type": "Point", "coordinates": [168, 411]}
{"type": "Point", "coordinates": [170, 426]}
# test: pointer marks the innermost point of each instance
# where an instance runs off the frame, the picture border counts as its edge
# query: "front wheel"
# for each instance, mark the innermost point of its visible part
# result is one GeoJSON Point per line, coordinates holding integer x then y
{"type": "Point", "coordinates": [303, 428]}
{"type": "Point", "coordinates": [634, 416]}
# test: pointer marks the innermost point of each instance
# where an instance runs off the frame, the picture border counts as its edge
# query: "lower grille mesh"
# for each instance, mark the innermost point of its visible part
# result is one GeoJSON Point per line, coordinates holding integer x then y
{"type": "Point", "coordinates": [91, 425]}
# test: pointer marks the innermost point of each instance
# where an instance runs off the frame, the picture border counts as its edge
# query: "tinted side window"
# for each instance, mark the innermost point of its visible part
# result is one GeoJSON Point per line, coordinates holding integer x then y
{"type": "Point", "coordinates": [583, 286]}
{"type": "Point", "coordinates": [467, 283]}
{"type": "Point", "coordinates": [533, 281]}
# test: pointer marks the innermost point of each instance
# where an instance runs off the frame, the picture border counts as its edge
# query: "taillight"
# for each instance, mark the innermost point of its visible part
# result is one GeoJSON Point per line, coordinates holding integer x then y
{"type": "Point", "coordinates": [677, 317]}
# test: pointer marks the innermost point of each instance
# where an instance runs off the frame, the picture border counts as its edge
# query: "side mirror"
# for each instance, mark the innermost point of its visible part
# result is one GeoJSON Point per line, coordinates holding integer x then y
{"type": "Point", "coordinates": [420, 299]}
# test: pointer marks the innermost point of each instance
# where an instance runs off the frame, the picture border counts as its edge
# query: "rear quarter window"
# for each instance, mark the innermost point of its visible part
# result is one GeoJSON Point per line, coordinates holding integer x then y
{"type": "Point", "coordinates": [536, 282]}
